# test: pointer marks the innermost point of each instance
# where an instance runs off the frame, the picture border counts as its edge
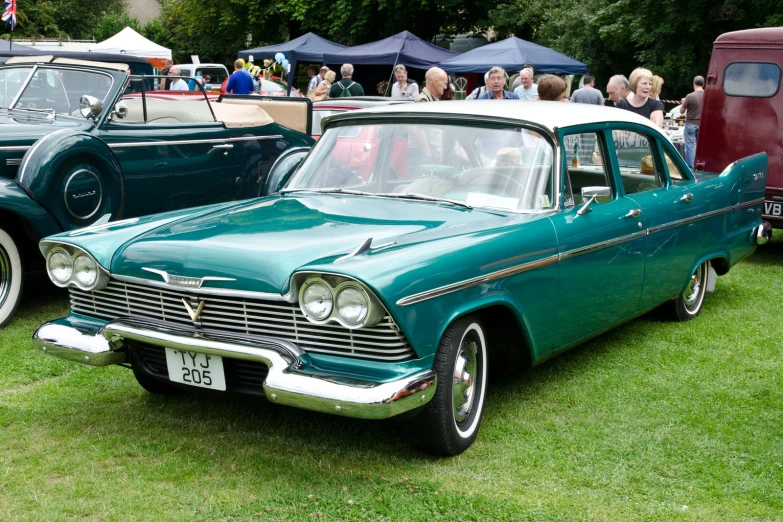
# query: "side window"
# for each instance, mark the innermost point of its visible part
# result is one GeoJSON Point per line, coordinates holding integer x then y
{"type": "Point", "coordinates": [585, 165]}
{"type": "Point", "coordinates": [674, 172]}
{"type": "Point", "coordinates": [753, 80]}
{"type": "Point", "coordinates": [636, 158]}
{"type": "Point", "coordinates": [192, 109]}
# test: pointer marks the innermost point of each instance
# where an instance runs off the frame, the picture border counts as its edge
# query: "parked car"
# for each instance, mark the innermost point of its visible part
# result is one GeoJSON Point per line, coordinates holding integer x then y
{"type": "Point", "coordinates": [216, 71]}
{"type": "Point", "coordinates": [328, 107]}
{"type": "Point", "coordinates": [503, 244]}
{"type": "Point", "coordinates": [81, 143]}
{"type": "Point", "coordinates": [743, 108]}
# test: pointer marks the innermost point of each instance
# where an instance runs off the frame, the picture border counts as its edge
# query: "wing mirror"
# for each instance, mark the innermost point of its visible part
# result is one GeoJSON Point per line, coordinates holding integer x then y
{"type": "Point", "coordinates": [90, 106]}
{"type": "Point", "coordinates": [120, 111]}
{"type": "Point", "coordinates": [591, 194]}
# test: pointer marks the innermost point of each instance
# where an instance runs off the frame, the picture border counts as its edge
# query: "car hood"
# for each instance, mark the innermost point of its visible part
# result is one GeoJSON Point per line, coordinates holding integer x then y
{"type": "Point", "coordinates": [261, 244]}
{"type": "Point", "coordinates": [26, 128]}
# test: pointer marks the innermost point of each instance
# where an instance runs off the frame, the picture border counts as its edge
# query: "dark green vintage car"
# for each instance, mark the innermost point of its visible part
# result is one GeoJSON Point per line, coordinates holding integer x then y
{"type": "Point", "coordinates": [416, 249]}
{"type": "Point", "coordinates": [86, 141]}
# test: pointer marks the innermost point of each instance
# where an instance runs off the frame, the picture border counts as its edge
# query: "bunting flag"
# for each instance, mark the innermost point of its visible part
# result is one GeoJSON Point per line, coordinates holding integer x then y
{"type": "Point", "coordinates": [9, 15]}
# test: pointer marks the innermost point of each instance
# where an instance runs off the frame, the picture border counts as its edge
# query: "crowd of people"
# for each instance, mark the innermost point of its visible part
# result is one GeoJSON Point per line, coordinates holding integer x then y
{"type": "Point", "coordinates": [639, 94]}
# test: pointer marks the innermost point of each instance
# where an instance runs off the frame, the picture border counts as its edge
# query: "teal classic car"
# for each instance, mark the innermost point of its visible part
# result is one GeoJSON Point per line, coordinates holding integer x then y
{"type": "Point", "coordinates": [86, 141]}
{"type": "Point", "coordinates": [485, 236]}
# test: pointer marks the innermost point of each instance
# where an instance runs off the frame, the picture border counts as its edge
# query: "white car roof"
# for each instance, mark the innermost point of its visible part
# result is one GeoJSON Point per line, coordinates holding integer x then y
{"type": "Point", "coordinates": [199, 65]}
{"type": "Point", "coordinates": [550, 115]}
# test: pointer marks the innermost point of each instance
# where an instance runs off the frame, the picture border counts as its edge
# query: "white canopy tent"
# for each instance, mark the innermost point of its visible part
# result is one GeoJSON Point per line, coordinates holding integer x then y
{"type": "Point", "coordinates": [129, 41]}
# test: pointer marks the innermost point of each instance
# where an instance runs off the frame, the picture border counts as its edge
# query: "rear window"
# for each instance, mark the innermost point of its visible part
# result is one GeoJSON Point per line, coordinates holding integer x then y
{"type": "Point", "coordinates": [751, 79]}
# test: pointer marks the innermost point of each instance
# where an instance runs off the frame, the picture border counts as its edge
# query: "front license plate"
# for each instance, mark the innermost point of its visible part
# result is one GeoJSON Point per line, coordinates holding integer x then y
{"type": "Point", "coordinates": [773, 208]}
{"type": "Point", "coordinates": [196, 369]}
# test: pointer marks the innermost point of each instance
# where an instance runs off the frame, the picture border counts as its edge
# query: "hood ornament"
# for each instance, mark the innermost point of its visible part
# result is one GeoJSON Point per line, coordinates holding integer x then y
{"type": "Point", "coordinates": [185, 282]}
{"type": "Point", "coordinates": [194, 314]}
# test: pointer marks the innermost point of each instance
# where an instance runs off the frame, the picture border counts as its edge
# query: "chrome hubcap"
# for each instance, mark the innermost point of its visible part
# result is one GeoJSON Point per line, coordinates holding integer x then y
{"type": "Point", "coordinates": [691, 294]}
{"type": "Point", "coordinates": [464, 383]}
{"type": "Point", "coordinates": [5, 275]}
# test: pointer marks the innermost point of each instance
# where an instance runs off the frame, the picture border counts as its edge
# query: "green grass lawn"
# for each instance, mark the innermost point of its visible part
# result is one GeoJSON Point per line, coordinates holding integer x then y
{"type": "Point", "coordinates": [653, 421]}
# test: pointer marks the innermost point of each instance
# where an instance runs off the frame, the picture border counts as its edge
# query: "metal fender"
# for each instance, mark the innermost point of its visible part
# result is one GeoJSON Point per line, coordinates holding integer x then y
{"type": "Point", "coordinates": [282, 169]}
{"type": "Point", "coordinates": [74, 176]}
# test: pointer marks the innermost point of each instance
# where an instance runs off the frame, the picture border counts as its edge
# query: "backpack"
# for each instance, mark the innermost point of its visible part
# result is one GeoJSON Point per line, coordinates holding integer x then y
{"type": "Point", "coordinates": [346, 90]}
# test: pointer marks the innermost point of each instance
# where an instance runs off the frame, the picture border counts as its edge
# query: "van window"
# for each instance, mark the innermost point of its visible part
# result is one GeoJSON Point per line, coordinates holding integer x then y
{"type": "Point", "coordinates": [752, 80]}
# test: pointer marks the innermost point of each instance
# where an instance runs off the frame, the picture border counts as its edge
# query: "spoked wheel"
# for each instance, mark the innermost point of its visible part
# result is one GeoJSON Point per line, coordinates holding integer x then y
{"type": "Point", "coordinates": [449, 423]}
{"type": "Point", "coordinates": [688, 304]}
{"type": "Point", "coordinates": [10, 277]}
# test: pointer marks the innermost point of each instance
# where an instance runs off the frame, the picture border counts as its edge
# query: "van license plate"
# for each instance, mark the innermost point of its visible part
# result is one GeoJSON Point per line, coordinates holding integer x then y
{"type": "Point", "coordinates": [196, 369]}
{"type": "Point", "coordinates": [773, 208]}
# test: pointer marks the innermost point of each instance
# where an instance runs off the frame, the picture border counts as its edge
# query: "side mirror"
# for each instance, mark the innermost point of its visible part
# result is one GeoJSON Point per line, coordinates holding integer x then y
{"type": "Point", "coordinates": [591, 194]}
{"type": "Point", "coordinates": [90, 107]}
{"type": "Point", "coordinates": [120, 111]}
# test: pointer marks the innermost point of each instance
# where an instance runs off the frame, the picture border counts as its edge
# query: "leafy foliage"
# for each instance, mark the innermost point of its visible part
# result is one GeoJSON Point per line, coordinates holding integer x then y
{"type": "Point", "coordinates": [112, 24]}
{"type": "Point", "coordinates": [669, 37]}
{"type": "Point", "coordinates": [51, 18]}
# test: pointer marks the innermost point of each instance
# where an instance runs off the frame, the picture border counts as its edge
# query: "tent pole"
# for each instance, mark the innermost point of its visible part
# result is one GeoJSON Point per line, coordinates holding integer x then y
{"type": "Point", "coordinates": [391, 77]}
{"type": "Point", "coordinates": [291, 76]}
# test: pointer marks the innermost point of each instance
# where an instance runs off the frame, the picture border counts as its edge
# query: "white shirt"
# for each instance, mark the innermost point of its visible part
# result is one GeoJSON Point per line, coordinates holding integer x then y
{"type": "Point", "coordinates": [179, 85]}
{"type": "Point", "coordinates": [411, 91]}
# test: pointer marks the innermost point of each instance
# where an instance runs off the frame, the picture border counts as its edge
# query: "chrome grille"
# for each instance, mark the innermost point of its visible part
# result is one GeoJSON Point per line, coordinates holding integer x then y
{"type": "Point", "coordinates": [237, 315]}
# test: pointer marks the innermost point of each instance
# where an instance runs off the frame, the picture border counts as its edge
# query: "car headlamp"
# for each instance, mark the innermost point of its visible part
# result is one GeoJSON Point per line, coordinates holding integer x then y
{"type": "Point", "coordinates": [352, 305]}
{"type": "Point", "coordinates": [85, 270]}
{"type": "Point", "coordinates": [68, 265]}
{"type": "Point", "coordinates": [59, 266]}
{"type": "Point", "coordinates": [326, 298]}
{"type": "Point", "coordinates": [316, 301]}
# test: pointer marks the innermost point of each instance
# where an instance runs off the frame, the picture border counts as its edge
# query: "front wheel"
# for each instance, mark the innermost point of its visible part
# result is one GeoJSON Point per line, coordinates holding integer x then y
{"type": "Point", "coordinates": [689, 303]}
{"type": "Point", "coordinates": [11, 276]}
{"type": "Point", "coordinates": [449, 423]}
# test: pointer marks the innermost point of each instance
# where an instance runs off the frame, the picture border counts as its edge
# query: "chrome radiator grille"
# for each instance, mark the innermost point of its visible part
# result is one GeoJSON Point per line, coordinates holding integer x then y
{"type": "Point", "coordinates": [237, 315]}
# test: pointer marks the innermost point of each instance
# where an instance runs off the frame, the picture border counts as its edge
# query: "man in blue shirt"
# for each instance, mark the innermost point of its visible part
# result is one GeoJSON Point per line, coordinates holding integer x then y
{"type": "Point", "coordinates": [239, 82]}
{"type": "Point", "coordinates": [496, 80]}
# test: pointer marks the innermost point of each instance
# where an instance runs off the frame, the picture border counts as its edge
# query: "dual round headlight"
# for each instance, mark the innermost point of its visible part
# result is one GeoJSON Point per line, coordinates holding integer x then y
{"type": "Point", "coordinates": [77, 267]}
{"type": "Point", "coordinates": [347, 303]}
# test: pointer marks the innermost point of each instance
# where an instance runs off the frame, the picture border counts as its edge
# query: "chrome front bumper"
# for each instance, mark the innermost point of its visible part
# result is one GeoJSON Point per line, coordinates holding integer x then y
{"type": "Point", "coordinates": [285, 384]}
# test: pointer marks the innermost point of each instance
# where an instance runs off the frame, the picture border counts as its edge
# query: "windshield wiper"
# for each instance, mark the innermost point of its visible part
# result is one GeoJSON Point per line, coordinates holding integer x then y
{"type": "Point", "coordinates": [49, 112]}
{"type": "Point", "coordinates": [332, 190]}
{"type": "Point", "coordinates": [422, 197]}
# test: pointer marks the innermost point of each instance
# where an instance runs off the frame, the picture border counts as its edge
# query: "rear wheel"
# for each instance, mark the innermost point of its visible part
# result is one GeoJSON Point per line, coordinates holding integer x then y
{"type": "Point", "coordinates": [11, 277]}
{"type": "Point", "coordinates": [449, 423]}
{"type": "Point", "coordinates": [689, 303]}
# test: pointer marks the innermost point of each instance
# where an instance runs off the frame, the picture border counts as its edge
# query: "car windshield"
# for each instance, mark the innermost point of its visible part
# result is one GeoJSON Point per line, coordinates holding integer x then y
{"type": "Point", "coordinates": [54, 89]}
{"type": "Point", "coordinates": [501, 167]}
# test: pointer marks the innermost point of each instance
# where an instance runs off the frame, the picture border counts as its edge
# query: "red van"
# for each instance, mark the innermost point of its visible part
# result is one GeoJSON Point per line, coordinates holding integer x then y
{"type": "Point", "coordinates": [743, 108]}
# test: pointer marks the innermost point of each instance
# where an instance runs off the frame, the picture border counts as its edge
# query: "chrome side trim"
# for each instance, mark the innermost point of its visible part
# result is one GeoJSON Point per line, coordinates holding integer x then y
{"type": "Point", "coordinates": [222, 141]}
{"type": "Point", "coordinates": [170, 142]}
{"type": "Point", "coordinates": [13, 162]}
{"type": "Point", "coordinates": [455, 287]}
{"type": "Point", "coordinates": [206, 291]}
{"type": "Point", "coordinates": [257, 138]}
{"type": "Point", "coordinates": [285, 383]}
{"type": "Point", "coordinates": [706, 215]}
{"type": "Point", "coordinates": [600, 246]}
{"type": "Point", "coordinates": [16, 148]}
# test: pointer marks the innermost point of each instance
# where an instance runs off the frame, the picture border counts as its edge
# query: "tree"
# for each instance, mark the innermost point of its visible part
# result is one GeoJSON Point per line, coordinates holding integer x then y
{"type": "Point", "coordinates": [67, 18]}
{"type": "Point", "coordinates": [671, 38]}
{"type": "Point", "coordinates": [111, 24]}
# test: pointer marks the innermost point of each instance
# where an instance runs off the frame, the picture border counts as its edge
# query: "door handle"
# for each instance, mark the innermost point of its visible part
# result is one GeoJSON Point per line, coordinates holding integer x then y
{"type": "Point", "coordinates": [223, 146]}
{"type": "Point", "coordinates": [633, 213]}
{"type": "Point", "coordinates": [687, 197]}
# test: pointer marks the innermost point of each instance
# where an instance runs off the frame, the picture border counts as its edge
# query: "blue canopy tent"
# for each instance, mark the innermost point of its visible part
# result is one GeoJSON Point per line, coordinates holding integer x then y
{"type": "Point", "coordinates": [403, 48]}
{"type": "Point", "coordinates": [511, 54]}
{"type": "Point", "coordinates": [307, 48]}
